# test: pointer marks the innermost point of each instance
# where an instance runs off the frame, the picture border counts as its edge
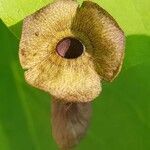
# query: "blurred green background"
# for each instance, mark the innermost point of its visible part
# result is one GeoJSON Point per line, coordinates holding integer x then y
{"type": "Point", "coordinates": [121, 114]}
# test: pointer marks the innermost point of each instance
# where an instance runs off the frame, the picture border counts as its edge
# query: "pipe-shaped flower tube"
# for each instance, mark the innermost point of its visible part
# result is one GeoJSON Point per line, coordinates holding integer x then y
{"type": "Point", "coordinates": [67, 50]}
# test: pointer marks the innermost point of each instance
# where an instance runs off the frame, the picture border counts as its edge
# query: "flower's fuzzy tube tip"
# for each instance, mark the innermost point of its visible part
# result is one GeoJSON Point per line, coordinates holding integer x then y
{"type": "Point", "coordinates": [69, 122]}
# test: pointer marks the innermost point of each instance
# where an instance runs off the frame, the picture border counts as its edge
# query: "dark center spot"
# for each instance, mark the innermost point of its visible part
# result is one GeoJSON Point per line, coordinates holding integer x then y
{"type": "Point", "coordinates": [69, 48]}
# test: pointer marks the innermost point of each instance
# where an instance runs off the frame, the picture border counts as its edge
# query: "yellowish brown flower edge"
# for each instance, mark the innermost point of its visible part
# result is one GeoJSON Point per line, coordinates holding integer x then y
{"type": "Point", "coordinates": [67, 50]}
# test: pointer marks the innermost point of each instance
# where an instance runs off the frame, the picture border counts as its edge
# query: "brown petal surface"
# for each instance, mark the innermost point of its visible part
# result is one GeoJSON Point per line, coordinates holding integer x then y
{"type": "Point", "coordinates": [75, 79]}
{"type": "Point", "coordinates": [105, 36]}
{"type": "Point", "coordinates": [42, 28]}
{"type": "Point", "coordinates": [70, 80]}
{"type": "Point", "coordinates": [75, 83]}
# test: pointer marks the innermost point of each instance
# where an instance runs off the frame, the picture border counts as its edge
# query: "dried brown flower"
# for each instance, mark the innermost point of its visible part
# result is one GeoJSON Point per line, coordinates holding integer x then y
{"type": "Point", "coordinates": [75, 79]}
{"type": "Point", "coordinates": [67, 49]}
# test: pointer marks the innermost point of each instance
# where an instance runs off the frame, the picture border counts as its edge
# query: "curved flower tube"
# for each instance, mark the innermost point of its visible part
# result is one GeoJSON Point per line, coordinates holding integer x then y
{"type": "Point", "coordinates": [67, 50]}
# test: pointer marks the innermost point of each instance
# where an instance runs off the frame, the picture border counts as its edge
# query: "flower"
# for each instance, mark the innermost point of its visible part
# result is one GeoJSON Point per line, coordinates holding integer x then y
{"type": "Point", "coordinates": [67, 49]}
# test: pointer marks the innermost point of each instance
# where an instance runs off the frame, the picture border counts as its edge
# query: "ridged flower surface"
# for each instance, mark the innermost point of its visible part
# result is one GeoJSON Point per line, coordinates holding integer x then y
{"type": "Point", "coordinates": [67, 49]}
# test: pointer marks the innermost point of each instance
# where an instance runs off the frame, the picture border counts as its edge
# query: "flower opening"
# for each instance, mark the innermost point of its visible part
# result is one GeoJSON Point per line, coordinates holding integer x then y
{"type": "Point", "coordinates": [70, 48]}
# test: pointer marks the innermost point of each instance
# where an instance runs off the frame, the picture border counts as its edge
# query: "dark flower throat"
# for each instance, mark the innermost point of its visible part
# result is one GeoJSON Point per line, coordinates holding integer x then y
{"type": "Point", "coordinates": [70, 48]}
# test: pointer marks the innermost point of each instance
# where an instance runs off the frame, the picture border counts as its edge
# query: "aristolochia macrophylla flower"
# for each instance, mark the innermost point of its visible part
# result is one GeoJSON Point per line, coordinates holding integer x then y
{"type": "Point", "coordinates": [67, 49]}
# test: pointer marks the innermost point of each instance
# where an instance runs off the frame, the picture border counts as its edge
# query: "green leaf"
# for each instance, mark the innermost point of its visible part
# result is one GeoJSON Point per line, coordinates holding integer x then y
{"type": "Point", "coordinates": [12, 12]}
{"type": "Point", "coordinates": [132, 15]}
{"type": "Point", "coordinates": [121, 114]}
{"type": "Point", "coordinates": [24, 111]}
